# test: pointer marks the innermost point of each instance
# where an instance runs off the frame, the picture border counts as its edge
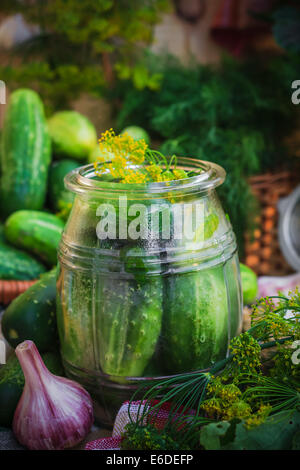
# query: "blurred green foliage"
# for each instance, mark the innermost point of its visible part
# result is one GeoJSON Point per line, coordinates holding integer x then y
{"type": "Point", "coordinates": [81, 45]}
{"type": "Point", "coordinates": [236, 115]}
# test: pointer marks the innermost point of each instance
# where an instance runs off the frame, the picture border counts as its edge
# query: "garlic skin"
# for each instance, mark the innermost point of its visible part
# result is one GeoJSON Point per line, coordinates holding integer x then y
{"type": "Point", "coordinates": [53, 413]}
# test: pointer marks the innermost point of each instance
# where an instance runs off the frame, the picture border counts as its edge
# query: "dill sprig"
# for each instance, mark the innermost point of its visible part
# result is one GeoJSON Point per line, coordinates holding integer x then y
{"type": "Point", "coordinates": [181, 398]}
{"type": "Point", "coordinates": [269, 317]}
{"type": "Point", "coordinates": [181, 392]}
{"type": "Point", "coordinates": [131, 161]}
{"type": "Point", "coordinates": [269, 391]}
{"type": "Point", "coordinates": [186, 396]}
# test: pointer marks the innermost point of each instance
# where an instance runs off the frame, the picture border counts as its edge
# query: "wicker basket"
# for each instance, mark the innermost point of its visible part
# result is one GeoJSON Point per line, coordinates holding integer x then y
{"type": "Point", "coordinates": [9, 290]}
{"type": "Point", "coordinates": [262, 250]}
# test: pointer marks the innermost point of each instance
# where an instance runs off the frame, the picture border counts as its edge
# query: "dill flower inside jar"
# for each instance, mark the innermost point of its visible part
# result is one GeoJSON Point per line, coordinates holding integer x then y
{"type": "Point", "coordinates": [149, 282]}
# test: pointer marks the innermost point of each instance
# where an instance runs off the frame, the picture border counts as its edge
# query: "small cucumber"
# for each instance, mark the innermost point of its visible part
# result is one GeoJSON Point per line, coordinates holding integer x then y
{"type": "Point", "coordinates": [195, 330]}
{"type": "Point", "coordinates": [32, 315]}
{"type": "Point", "coordinates": [18, 265]}
{"type": "Point", "coordinates": [72, 134]}
{"type": "Point", "coordinates": [58, 195]}
{"type": "Point", "coordinates": [25, 153]}
{"type": "Point", "coordinates": [37, 232]}
{"type": "Point", "coordinates": [129, 325]}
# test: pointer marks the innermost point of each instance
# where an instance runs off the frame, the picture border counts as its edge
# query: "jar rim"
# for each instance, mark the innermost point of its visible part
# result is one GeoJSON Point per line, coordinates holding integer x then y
{"type": "Point", "coordinates": [83, 179]}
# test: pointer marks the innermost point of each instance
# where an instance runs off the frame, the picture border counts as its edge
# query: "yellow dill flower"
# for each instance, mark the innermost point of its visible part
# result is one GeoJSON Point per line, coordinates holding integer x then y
{"type": "Point", "coordinates": [119, 161]}
{"type": "Point", "coordinates": [179, 174]}
{"type": "Point", "coordinates": [212, 407]}
{"type": "Point", "coordinates": [259, 417]}
{"type": "Point", "coordinates": [155, 171]}
{"type": "Point", "coordinates": [99, 169]}
{"type": "Point", "coordinates": [247, 353]}
{"type": "Point", "coordinates": [134, 177]}
{"type": "Point", "coordinates": [238, 410]}
{"type": "Point", "coordinates": [123, 146]}
{"type": "Point", "coordinates": [116, 171]}
{"type": "Point", "coordinates": [121, 152]}
{"type": "Point", "coordinates": [229, 392]}
{"type": "Point", "coordinates": [167, 175]}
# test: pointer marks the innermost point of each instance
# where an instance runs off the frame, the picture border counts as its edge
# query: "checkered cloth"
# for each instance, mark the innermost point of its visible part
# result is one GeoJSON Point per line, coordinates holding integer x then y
{"type": "Point", "coordinates": [136, 411]}
{"type": "Point", "coordinates": [8, 441]}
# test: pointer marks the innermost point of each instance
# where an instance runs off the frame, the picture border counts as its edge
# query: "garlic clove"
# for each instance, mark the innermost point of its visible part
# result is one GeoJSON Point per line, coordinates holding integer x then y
{"type": "Point", "coordinates": [53, 413]}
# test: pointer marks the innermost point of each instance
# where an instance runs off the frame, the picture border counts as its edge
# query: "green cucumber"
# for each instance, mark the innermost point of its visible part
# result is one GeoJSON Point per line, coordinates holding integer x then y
{"type": "Point", "coordinates": [195, 330]}
{"type": "Point", "coordinates": [137, 133]}
{"type": "Point", "coordinates": [75, 310]}
{"type": "Point", "coordinates": [249, 284]}
{"type": "Point", "coordinates": [97, 155]}
{"type": "Point", "coordinates": [18, 265]}
{"type": "Point", "coordinates": [124, 313]}
{"type": "Point", "coordinates": [12, 382]}
{"type": "Point", "coordinates": [37, 232]}
{"type": "Point", "coordinates": [130, 314]}
{"type": "Point", "coordinates": [128, 324]}
{"type": "Point", "coordinates": [59, 196]}
{"type": "Point", "coordinates": [234, 294]}
{"type": "Point", "coordinates": [25, 154]}
{"type": "Point", "coordinates": [72, 134]}
{"type": "Point", "coordinates": [32, 315]}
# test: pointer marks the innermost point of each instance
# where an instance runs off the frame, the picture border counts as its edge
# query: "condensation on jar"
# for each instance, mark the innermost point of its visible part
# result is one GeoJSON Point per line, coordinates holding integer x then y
{"type": "Point", "coordinates": [158, 294]}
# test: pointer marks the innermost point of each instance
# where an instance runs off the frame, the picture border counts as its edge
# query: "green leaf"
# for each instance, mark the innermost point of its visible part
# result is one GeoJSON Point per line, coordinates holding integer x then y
{"type": "Point", "coordinates": [210, 435]}
{"type": "Point", "coordinates": [275, 434]}
{"type": "Point", "coordinates": [279, 432]}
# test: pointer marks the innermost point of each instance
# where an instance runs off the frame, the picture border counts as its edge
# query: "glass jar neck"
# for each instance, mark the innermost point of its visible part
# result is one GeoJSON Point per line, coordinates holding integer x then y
{"type": "Point", "coordinates": [207, 176]}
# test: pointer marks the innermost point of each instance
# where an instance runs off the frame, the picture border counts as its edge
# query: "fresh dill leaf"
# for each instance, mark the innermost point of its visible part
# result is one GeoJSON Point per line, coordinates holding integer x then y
{"type": "Point", "coordinates": [235, 388]}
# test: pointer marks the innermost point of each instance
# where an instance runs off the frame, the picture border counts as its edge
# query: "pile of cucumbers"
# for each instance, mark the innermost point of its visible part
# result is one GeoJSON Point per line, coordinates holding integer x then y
{"type": "Point", "coordinates": [35, 156]}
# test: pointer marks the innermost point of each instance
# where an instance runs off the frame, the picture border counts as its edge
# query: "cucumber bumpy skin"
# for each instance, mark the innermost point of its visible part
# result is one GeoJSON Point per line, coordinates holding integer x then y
{"type": "Point", "coordinates": [37, 232]}
{"type": "Point", "coordinates": [75, 318]}
{"type": "Point", "coordinates": [124, 315]}
{"type": "Point", "coordinates": [32, 315]}
{"type": "Point", "coordinates": [195, 323]}
{"type": "Point", "coordinates": [57, 193]}
{"type": "Point", "coordinates": [72, 134]}
{"type": "Point", "coordinates": [129, 313]}
{"type": "Point", "coordinates": [25, 154]}
{"type": "Point", "coordinates": [128, 324]}
{"type": "Point", "coordinates": [18, 265]}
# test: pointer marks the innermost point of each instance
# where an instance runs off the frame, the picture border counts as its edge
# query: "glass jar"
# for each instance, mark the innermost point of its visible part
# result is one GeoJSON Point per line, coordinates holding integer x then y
{"type": "Point", "coordinates": [149, 282]}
